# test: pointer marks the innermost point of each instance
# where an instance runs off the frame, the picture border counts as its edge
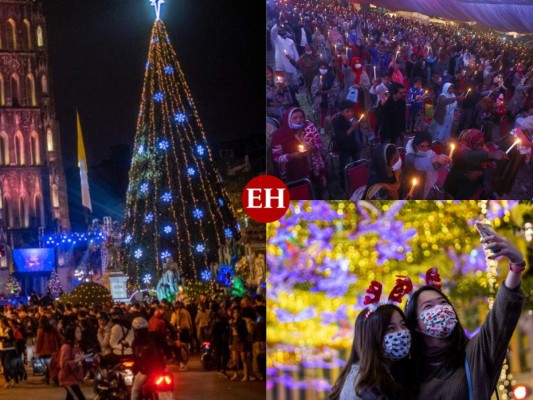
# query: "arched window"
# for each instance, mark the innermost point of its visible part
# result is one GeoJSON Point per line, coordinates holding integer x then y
{"type": "Point", "coordinates": [11, 34]}
{"type": "Point", "coordinates": [4, 149]}
{"type": "Point", "coordinates": [55, 196]}
{"type": "Point", "coordinates": [15, 90]}
{"type": "Point", "coordinates": [8, 215]}
{"type": "Point", "coordinates": [19, 149]}
{"type": "Point", "coordinates": [24, 215]}
{"type": "Point", "coordinates": [27, 34]}
{"type": "Point", "coordinates": [30, 91]}
{"type": "Point", "coordinates": [44, 84]}
{"type": "Point", "coordinates": [39, 210]}
{"type": "Point", "coordinates": [34, 148]}
{"type": "Point", "coordinates": [40, 41]}
{"type": "Point", "coordinates": [49, 140]}
{"type": "Point", "coordinates": [2, 91]}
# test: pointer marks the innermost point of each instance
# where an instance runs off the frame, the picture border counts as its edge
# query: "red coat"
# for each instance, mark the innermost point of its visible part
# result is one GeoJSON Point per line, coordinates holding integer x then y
{"type": "Point", "coordinates": [157, 324]}
{"type": "Point", "coordinates": [46, 343]}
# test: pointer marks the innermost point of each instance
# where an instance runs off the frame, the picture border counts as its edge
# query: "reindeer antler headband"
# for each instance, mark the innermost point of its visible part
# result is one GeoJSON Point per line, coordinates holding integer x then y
{"type": "Point", "coordinates": [433, 278]}
{"type": "Point", "coordinates": [402, 287]}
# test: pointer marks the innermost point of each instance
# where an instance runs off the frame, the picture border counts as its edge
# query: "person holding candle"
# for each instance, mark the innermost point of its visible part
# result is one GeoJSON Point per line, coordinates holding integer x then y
{"type": "Point", "coordinates": [308, 64]}
{"type": "Point", "coordinates": [391, 113]}
{"type": "Point", "coordinates": [415, 103]}
{"type": "Point", "coordinates": [356, 77]}
{"type": "Point", "coordinates": [278, 95]}
{"type": "Point", "coordinates": [441, 125]}
{"type": "Point", "coordinates": [325, 90]}
{"type": "Point", "coordinates": [285, 55]}
{"type": "Point", "coordinates": [293, 163]}
{"type": "Point", "coordinates": [385, 181]}
{"type": "Point", "coordinates": [473, 167]}
{"type": "Point", "coordinates": [422, 162]}
{"type": "Point", "coordinates": [360, 52]}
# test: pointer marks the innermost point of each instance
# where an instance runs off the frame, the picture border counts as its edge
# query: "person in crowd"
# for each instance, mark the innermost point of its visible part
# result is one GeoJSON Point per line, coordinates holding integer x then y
{"type": "Point", "coordinates": [104, 333]}
{"type": "Point", "coordinates": [360, 52]}
{"type": "Point", "coordinates": [325, 89]}
{"type": "Point", "coordinates": [441, 126]}
{"type": "Point", "coordinates": [347, 136]}
{"type": "Point", "coordinates": [278, 95]}
{"type": "Point", "coordinates": [202, 323]}
{"type": "Point", "coordinates": [524, 132]}
{"type": "Point", "coordinates": [259, 343]}
{"type": "Point", "coordinates": [120, 338]}
{"type": "Point", "coordinates": [286, 54]}
{"type": "Point", "coordinates": [385, 181]}
{"type": "Point", "coordinates": [297, 150]}
{"type": "Point", "coordinates": [445, 363]}
{"type": "Point", "coordinates": [8, 353]}
{"type": "Point", "coordinates": [391, 113]}
{"type": "Point", "coordinates": [379, 87]}
{"type": "Point", "coordinates": [182, 322]}
{"type": "Point", "coordinates": [520, 94]}
{"type": "Point", "coordinates": [415, 103]}
{"type": "Point", "coordinates": [308, 64]}
{"type": "Point", "coordinates": [356, 84]}
{"type": "Point", "coordinates": [221, 339]}
{"type": "Point", "coordinates": [70, 361]}
{"type": "Point", "coordinates": [46, 343]}
{"type": "Point", "coordinates": [239, 344]}
{"type": "Point", "coordinates": [472, 166]}
{"type": "Point", "coordinates": [422, 163]}
{"type": "Point", "coordinates": [396, 74]}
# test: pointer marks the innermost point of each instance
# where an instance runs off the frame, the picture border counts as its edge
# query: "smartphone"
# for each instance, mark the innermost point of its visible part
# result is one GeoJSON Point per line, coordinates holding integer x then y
{"type": "Point", "coordinates": [486, 230]}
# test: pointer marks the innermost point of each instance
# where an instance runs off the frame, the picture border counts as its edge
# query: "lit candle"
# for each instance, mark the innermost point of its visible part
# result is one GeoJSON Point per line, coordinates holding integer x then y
{"type": "Point", "coordinates": [347, 48]}
{"type": "Point", "coordinates": [451, 151]}
{"type": "Point", "coordinates": [361, 117]}
{"type": "Point", "coordinates": [335, 47]}
{"type": "Point", "coordinates": [321, 79]}
{"type": "Point", "coordinates": [413, 187]}
{"type": "Point", "coordinates": [321, 56]}
{"type": "Point", "coordinates": [517, 141]}
{"type": "Point", "coordinates": [398, 52]}
{"type": "Point", "coordinates": [468, 91]}
{"type": "Point", "coordinates": [375, 76]}
{"type": "Point", "coordinates": [301, 148]}
{"type": "Point", "coordinates": [285, 51]}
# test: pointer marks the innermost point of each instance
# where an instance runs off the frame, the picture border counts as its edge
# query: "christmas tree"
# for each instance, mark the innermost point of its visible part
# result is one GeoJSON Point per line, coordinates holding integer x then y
{"type": "Point", "coordinates": [54, 284]}
{"type": "Point", "coordinates": [176, 204]}
{"type": "Point", "coordinates": [13, 286]}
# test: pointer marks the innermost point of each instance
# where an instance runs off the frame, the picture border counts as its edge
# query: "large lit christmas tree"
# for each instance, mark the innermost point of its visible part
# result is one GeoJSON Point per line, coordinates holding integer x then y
{"type": "Point", "coordinates": [176, 204]}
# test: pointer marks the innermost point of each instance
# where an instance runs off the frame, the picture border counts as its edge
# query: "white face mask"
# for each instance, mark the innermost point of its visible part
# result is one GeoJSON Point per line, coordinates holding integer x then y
{"type": "Point", "coordinates": [308, 52]}
{"type": "Point", "coordinates": [397, 345]}
{"type": "Point", "coordinates": [423, 153]}
{"type": "Point", "coordinates": [397, 166]}
{"type": "Point", "coordinates": [357, 66]}
{"type": "Point", "coordinates": [323, 71]}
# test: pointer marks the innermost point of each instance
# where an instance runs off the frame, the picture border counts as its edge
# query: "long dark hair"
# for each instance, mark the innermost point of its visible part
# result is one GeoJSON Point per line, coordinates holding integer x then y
{"type": "Point", "coordinates": [454, 355]}
{"type": "Point", "coordinates": [373, 375]}
{"type": "Point", "coordinates": [352, 359]}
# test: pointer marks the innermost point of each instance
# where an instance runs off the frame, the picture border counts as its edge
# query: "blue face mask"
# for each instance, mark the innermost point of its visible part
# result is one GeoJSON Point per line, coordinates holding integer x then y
{"type": "Point", "coordinates": [294, 126]}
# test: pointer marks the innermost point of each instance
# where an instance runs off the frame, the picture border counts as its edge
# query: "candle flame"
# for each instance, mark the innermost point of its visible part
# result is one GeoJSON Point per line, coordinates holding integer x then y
{"type": "Point", "coordinates": [414, 181]}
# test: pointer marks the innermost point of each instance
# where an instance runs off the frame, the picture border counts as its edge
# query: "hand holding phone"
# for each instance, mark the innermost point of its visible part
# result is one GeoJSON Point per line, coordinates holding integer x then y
{"type": "Point", "coordinates": [486, 230]}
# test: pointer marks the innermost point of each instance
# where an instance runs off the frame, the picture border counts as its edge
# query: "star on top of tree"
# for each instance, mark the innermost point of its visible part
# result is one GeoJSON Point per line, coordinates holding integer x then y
{"type": "Point", "coordinates": [157, 6]}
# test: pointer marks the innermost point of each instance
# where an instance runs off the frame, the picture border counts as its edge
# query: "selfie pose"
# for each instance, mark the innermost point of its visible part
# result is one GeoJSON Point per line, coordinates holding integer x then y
{"type": "Point", "coordinates": [446, 364]}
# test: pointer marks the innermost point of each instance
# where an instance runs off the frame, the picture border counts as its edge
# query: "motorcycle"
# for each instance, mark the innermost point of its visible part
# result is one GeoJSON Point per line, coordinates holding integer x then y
{"type": "Point", "coordinates": [159, 386]}
{"type": "Point", "coordinates": [207, 358]}
{"type": "Point", "coordinates": [114, 383]}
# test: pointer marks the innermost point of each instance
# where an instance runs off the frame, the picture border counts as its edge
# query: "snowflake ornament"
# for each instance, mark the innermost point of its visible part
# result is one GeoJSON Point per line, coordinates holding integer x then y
{"type": "Point", "coordinates": [128, 239]}
{"type": "Point", "coordinates": [149, 218]}
{"type": "Point", "coordinates": [191, 171]}
{"type": "Point", "coordinates": [180, 118]}
{"type": "Point", "coordinates": [144, 188]}
{"type": "Point", "coordinates": [197, 213]}
{"type": "Point", "coordinates": [147, 279]}
{"type": "Point", "coordinates": [165, 254]}
{"type": "Point", "coordinates": [200, 150]}
{"type": "Point", "coordinates": [166, 197]}
{"type": "Point", "coordinates": [200, 248]}
{"type": "Point", "coordinates": [138, 253]}
{"type": "Point", "coordinates": [159, 96]}
{"type": "Point", "coordinates": [169, 70]}
{"type": "Point", "coordinates": [228, 233]}
{"type": "Point", "coordinates": [164, 145]}
{"type": "Point", "coordinates": [167, 229]}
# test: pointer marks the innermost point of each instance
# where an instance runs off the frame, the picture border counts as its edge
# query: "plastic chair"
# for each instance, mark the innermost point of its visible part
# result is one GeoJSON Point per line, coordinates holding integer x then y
{"type": "Point", "coordinates": [301, 189]}
{"type": "Point", "coordinates": [356, 174]}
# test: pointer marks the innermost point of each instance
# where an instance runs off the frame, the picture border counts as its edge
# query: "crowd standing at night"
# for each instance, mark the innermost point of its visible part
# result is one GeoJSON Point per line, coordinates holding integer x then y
{"type": "Point", "coordinates": [437, 108]}
{"type": "Point", "coordinates": [235, 329]}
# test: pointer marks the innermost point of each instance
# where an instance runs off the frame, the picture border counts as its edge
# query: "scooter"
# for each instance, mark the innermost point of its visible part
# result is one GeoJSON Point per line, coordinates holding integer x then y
{"type": "Point", "coordinates": [159, 386]}
{"type": "Point", "coordinates": [115, 383]}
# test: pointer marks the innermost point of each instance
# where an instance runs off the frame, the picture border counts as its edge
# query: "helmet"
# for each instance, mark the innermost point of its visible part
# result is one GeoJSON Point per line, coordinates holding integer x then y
{"type": "Point", "coordinates": [139, 323]}
{"type": "Point", "coordinates": [159, 312]}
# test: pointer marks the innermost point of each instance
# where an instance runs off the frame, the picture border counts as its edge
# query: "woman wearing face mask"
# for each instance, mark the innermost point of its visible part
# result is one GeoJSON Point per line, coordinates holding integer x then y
{"type": "Point", "coordinates": [308, 63]}
{"type": "Point", "coordinates": [423, 164]}
{"type": "Point", "coordinates": [297, 151]}
{"type": "Point", "coordinates": [442, 354]}
{"type": "Point", "coordinates": [325, 90]}
{"type": "Point", "coordinates": [441, 126]}
{"type": "Point", "coordinates": [70, 362]}
{"type": "Point", "coordinates": [384, 183]}
{"type": "Point", "coordinates": [381, 345]}
{"type": "Point", "coordinates": [359, 51]}
{"type": "Point", "coordinates": [355, 76]}
{"type": "Point", "coordinates": [473, 166]}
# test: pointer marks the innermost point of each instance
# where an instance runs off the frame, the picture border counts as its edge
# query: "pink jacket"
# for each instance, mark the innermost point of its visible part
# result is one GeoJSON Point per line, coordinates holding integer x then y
{"type": "Point", "coordinates": [71, 373]}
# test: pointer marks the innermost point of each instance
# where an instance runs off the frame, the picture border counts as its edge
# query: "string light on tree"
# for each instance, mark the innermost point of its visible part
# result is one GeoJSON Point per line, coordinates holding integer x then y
{"type": "Point", "coordinates": [184, 169]}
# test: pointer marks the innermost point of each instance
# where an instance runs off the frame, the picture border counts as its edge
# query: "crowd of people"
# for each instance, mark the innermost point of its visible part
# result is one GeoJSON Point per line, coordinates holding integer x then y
{"type": "Point", "coordinates": [61, 336]}
{"type": "Point", "coordinates": [346, 84]}
{"type": "Point", "coordinates": [422, 352]}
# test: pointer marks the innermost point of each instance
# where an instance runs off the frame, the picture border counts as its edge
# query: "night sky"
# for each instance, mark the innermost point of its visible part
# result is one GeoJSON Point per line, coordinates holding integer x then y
{"type": "Point", "coordinates": [97, 55]}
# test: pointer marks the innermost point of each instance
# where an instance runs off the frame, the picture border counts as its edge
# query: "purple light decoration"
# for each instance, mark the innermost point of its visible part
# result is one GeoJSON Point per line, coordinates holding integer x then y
{"type": "Point", "coordinates": [304, 315]}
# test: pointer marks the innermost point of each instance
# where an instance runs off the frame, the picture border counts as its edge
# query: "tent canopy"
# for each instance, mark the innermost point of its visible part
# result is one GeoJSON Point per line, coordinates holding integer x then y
{"type": "Point", "coordinates": [500, 15]}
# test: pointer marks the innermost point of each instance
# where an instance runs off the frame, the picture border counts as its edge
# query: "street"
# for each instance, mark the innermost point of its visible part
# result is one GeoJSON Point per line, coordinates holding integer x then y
{"type": "Point", "coordinates": [192, 384]}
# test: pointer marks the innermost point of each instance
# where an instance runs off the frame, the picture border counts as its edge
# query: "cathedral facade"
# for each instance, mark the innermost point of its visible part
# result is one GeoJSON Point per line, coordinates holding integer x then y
{"type": "Point", "coordinates": [33, 191]}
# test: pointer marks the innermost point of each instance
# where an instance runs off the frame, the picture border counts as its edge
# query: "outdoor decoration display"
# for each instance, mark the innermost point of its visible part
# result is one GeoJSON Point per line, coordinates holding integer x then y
{"type": "Point", "coordinates": [88, 293]}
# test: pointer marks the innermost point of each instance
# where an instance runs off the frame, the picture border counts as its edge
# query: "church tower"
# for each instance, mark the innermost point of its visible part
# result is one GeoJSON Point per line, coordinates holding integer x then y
{"type": "Point", "coordinates": [33, 191]}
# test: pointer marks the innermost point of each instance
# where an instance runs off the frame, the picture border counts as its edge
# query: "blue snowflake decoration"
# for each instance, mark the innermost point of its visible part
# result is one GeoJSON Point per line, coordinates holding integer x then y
{"type": "Point", "coordinates": [147, 64]}
{"type": "Point", "coordinates": [128, 239]}
{"type": "Point", "coordinates": [166, 197]}
{"type": "Point", "coordinates": [140, 149]}
{"type": "Point", "coordinates": [144, 188]}
{"type": "Point", "coordinates": [169, 70]}
{"type": "Point", "coordinates": [165, 254]}
{"type": "Point", "coordinates": [206, 275]}
{"type": "Point", "coordinates": [167, 229]}
{"type": "Point", "coordinates": [191, 171]}
{"type": "Point", "coordinates": [228, 233]}
{"type": "Point", "coordinates": [138, 253]}
{"type": "Point", "coordinates": [225, 275]}
{"type": "Point", "coordinates": [159, 96]}
{"type": "Point", "coordinates": [155, 40]}
{"type": "Point", "coordinates": [220, 202]}
{"type": "Point", "coordinates": [164, 145]}
{"type": "Point", "coordinates": [200, 248]}
{"type": "Point", "coordinates": [180, 118]}
{"type": "Point", "coordinates": [197, 213]}
{"type": "Point", "coordinates": [149, 218]}
{"type": "Point", "coordinates": [200, 150]}
{"type": "Point", "coordinates": [147, 278]}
